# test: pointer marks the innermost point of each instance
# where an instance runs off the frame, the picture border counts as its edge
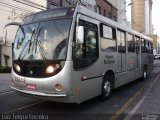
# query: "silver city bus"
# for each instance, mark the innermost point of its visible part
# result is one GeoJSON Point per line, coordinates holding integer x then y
{"type": "Point", "coordinates": [72, 54]}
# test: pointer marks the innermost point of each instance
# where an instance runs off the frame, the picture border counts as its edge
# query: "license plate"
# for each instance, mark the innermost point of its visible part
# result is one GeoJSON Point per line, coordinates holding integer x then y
{"type": "Point", "coordinates": [31, 86]}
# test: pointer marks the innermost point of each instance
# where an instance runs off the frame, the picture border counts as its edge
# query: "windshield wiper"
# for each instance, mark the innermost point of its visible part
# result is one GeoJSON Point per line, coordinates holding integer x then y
{"type": "Point", "coordinates": [28, 42]}
{"type": "Point", "coordinates": [37, 43]}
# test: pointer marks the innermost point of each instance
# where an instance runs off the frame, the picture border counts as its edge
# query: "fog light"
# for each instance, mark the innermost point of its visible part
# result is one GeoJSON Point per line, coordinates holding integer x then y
{"type": "Point", "coordinates": [58, 87]}
{"type": "Point", "coordinates": [49, 69]}
{"type": "Point", "coordinates": [18, 68]}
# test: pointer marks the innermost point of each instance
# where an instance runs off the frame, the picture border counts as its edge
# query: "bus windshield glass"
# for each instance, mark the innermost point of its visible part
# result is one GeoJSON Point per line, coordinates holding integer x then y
{"type": "Point", "coordinates": [42, 40]}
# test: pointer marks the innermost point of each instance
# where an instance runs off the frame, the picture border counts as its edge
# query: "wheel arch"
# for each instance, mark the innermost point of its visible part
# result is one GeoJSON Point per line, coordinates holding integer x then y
{"type": "Point", "coordinates": [110, 73]}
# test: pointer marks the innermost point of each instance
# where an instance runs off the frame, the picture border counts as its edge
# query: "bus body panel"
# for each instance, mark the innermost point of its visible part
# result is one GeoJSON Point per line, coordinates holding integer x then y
{"type": "Point", "coordinates": [79, 85]}
{"type": "Point", "coordinates": [47, 85]}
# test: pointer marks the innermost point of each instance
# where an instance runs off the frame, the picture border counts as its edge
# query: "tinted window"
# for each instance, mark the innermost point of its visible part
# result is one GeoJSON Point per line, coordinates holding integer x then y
{"type": "Point", "coordinates": [121, 41]}
{"type": "Point", "coordinates": [137, 44]}
{"type": "Point", "coordinates": [142, 46]}
{"type": "Point", "coordinates": [108, 40]}
{"type": "Point", "coordinates": [130, 43]}
{"type": "Point", "coordinates": [147, 46]}
{"type": "Point", "coordinates": [150, 47]}
{"type": "Point", "coordinates": [49, 41]}
{"type": "Point", "coordinates": [85, 54]}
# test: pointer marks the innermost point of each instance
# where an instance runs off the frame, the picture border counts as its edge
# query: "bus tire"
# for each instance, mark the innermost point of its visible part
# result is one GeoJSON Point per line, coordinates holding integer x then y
{"type": "Point", "coordinates": [107, 86]}
{"type": "Point", "coordinates": [144, 73]}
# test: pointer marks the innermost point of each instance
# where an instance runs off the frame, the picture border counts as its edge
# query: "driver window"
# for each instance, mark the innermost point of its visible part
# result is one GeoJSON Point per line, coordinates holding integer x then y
{"type": "Point", "coordinates": [85, 54]}
{"type": "Point", "coordinates": [19, 39]}
{"type": "Point", "coordinates": [90, 38]}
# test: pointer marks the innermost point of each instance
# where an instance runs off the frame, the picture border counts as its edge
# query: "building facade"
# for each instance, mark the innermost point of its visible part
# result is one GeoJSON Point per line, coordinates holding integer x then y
{"type": "Point", "coordinates": [121, 6]}
{"type": "Point", "coordinates": [58, 3]}
{"type": "Point", "coordinates": [141, 16]}
{"type": "Point", "coordinates": [141, 21]}
{"type": "Point", "coordinates": [107, 9]}
{"type": "Point", "coordinates": [113, 9]}
{"type": "Point", "coordinates": [14, 11]}
{"type": "Point", "coordinates": [103, 7]}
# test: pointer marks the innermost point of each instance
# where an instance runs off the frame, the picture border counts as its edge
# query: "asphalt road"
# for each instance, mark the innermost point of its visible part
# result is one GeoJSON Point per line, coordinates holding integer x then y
{"type": "Point", "coordinates": [14, 106]}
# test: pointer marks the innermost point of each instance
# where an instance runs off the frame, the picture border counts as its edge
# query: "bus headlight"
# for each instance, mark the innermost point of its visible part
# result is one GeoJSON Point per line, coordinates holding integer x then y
{"type": "Point", "coordinates": [17, 67]}
{"type": "Point", "coordinates": [50, 69]}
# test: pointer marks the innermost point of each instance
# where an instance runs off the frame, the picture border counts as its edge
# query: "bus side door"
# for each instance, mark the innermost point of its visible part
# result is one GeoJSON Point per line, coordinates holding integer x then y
{"type": "Point", "coordinates": [121, 42]}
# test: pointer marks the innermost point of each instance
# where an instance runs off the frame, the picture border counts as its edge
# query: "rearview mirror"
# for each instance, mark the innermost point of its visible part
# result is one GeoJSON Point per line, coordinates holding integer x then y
{"type": "Point", "coordinates": [4, 39]}
{"type": "Point", "coordinates": [80, 34]}
{"type": "Point", "coordinates": [4, 36]}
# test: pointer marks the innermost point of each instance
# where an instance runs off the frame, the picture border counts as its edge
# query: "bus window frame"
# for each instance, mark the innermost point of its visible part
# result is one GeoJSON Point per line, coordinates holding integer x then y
{"type": "Point", "coordinates": [133, 39]}
{"type": "Point", "coordinates": [114, 37]}
{"type": "Point", "coordinates": [125, 41]}
{"type": "Point", "coordinates": [137, 44]}
{"type": "Point", "coordinates": [84, 58]}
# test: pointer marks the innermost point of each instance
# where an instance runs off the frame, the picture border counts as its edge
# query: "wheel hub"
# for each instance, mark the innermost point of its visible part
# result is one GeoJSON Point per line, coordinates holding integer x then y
{"type": "Point", "coordinates": [107, 88]}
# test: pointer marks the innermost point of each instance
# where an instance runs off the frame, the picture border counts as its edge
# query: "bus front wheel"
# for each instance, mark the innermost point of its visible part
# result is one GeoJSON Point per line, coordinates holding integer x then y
{"type": "Point", "coordinates": [106, 87]}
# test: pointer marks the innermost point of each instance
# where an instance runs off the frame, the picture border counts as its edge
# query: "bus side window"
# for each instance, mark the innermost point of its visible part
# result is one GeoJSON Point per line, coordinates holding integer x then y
{"type": "Point", "coordinates": [147, 46]}
{"type": "Point", "coordinates": [108, 38]}
{"type": "Point", "coordinates": [85, 54]}
{"type": "Point", "coordinates": [131, 43]}
{"type": "Point", "coordinates": [137, 44]}
{"type": "Point", "coordinates": [91, 46]}
{"type": "Point", "coordinates": [142, 46]}
{"type": "Point", "coordinates": [121, 41]}
{"type": "Point", "coordinates": [150, 48]}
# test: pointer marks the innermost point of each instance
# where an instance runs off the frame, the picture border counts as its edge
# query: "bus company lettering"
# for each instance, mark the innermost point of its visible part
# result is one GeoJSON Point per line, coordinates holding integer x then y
{"type": "Point", "coordinates": [109, 59]}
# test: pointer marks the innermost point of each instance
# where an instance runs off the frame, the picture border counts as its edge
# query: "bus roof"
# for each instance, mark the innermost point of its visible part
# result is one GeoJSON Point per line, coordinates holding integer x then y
{"type": "Point", "coordinates": [89, 13]}
{"type": "Point", "coordinates": [49, 14]}
{"type": "Point", "coordinates": [69, 12]}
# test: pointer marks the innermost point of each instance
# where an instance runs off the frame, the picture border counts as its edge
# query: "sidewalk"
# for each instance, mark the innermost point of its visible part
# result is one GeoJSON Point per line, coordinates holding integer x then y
{"type": "Point", "coordinates": [148, 108]}
{"type": "Point", "coordinates": [5, 82]}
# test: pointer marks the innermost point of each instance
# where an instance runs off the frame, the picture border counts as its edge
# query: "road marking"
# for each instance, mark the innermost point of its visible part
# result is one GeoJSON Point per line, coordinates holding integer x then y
{"type": "Point", "coordinates": [6, 92]}
{"type": "Point", "coordinates": [133, 111]}
{"type": "Point", "coordinates": [24, 107]}
{"type": "Point", "coordinates": [118, 114]}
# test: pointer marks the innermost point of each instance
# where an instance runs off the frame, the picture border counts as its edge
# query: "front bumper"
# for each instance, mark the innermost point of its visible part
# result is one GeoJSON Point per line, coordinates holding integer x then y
{"type": "Point", "coordinates": [40, 94]}
{"type": "Point", "coordinates": [57, 97]}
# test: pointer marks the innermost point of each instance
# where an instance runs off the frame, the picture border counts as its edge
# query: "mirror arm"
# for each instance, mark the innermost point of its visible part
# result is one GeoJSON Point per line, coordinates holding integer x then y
{"type": "Point", "coordinates": [16, 24]}
{"type": "Point", "coordinates": [12, 23]}
{"type": "Point", "coordinates": [77, 21]}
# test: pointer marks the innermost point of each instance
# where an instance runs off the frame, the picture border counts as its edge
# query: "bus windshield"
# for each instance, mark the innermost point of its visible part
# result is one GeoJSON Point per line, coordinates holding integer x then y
{"type": "Point", "coordinates": [42, 40]}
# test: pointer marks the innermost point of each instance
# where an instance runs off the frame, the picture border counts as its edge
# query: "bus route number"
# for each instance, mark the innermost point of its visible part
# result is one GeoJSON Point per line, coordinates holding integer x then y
{"type": "Point", "coordinates": [20, 79]}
